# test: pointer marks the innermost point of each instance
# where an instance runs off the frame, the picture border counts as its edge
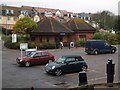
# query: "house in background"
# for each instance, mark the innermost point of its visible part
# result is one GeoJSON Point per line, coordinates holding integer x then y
{"type": "Point", "coordinates": [52, 31]}
{"type": "Point", "coordinates": [54, 25]}
{"type": "Point", "coordinates": [82, 30]}
{"type": "Point", "coordinates": [9, 16]}
{"type": "Point", "coordinates": [31, 12]}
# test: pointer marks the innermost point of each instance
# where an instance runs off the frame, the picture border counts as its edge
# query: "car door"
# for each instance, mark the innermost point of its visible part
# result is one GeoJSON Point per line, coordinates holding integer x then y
{"type": "Point", "coordinates": [37, 58]}
{"type": "Point", "coordinates": [79, 63]}
{"type": "Point", "coordinates": [44, 57]}
{"type": "Point", "coordinates": [69, 64]}
{"type": "Point", "coordinates": [107, 47]}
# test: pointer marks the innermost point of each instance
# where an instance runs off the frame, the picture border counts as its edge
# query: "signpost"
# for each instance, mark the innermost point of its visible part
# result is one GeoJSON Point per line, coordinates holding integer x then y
{"type": "Point", "coordinates": [23, 46]}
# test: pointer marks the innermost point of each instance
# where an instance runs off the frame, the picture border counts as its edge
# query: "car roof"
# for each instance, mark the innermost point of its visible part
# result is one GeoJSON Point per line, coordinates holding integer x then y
{"type": "Point", "coordinates": [31, 49]}
{"type": "Point", "coordinates": [71, 56]}
{"type": "Point", "coordinates": [95, 40]}
{"type": "Point", "coordinates": [42, 51]}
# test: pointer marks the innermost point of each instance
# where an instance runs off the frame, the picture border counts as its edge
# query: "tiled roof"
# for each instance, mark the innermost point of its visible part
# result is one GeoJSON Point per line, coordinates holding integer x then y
{"type": "Point", "coordinates": [16, 11]}
{"type": "Point", "coordinates": [78, 24]}
{"type": "Point", "coordinates": [64, 11]}
{"type": "Point", "coordinates": [27, 7]}
{"type": "Point", "coordinates": [50, 25]}
{"type": "Point", "coordinates": [42, 10]}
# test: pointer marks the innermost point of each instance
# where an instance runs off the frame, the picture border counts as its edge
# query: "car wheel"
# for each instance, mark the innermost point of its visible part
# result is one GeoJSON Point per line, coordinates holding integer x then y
{"type": "Point", "coordinates": [27, 64]}
{"type": "Point", "coordinates": [96, 52]}
{"type": "Point", "coordinates": [58, 72]}
{"type": "Point", "coordinates": [112, 51]}
{"type": "Point", "coordinates": [84, 68]}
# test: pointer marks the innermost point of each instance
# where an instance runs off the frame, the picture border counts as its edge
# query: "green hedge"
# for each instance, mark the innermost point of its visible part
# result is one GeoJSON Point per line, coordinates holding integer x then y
{"type": "Point", "coordinates": [47, 46]}
{"type": "Point", "coordinates": [8, 43]}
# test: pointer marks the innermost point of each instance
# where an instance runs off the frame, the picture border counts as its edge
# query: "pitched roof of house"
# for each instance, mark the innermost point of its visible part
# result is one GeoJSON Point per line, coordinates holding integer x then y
{"type": "Point", "coordinates": [78, 24]}
{"type": "Point", "coordinates": [42, 10]}
{"type": "Point", "coordinates": [50, 25]}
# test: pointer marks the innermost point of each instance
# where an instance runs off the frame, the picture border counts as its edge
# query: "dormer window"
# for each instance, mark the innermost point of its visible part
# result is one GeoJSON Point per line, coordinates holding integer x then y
{"type": "Point", "coordinates": [21, 12]}
{"type": "Point", "coordinates": [7, 11]}
{"type": "Point", "coordinates": [26, 13]}
{"type": "Point", "coordinates": [12, 11]}
{"type": "Point", "coordinates": [36, 13]}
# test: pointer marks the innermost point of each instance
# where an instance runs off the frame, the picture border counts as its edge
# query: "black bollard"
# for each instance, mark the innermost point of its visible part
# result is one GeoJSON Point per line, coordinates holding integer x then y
{"type": "Point", "coordinates": [110, 70]}
{"type": "Point", "coordinates": [82, 78]}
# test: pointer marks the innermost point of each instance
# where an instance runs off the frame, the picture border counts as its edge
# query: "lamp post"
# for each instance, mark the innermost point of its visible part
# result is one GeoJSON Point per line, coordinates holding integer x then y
{"type": "Point", "coordinates": [6, 19]}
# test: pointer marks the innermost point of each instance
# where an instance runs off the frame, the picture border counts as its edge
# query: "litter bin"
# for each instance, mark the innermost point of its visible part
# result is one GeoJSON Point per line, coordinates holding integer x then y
{"type": "Point", "coordinates": [82, 78]}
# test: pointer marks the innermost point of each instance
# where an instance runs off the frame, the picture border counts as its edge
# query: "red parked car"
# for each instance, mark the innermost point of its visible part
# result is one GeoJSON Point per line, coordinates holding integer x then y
{"type": "Point", "coordinates": [35, 58]}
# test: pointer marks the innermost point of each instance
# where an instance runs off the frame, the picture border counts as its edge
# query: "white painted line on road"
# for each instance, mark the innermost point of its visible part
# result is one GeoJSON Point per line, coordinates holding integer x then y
{"type": "Point", "coordinates": [97, 78]}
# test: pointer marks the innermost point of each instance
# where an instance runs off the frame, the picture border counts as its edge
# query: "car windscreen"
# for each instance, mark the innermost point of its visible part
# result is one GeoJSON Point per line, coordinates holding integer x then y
{"type": "Point", "coordinates": [30, 54]}
{"type": "Point", "coordinates": [61, 60]}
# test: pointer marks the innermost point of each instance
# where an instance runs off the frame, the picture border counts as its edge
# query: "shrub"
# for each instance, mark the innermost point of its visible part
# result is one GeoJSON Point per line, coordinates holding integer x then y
{"type": "Point", "coordinates": [81, 43]}
{"type": "Point", "coordinates": [8, 42]}
{"type": "Point", "coordinates": [111, 38]}
{"type": "Point", "coordinates": [98, 35]}
{"type": "Point", "coordinates": [118, 37]}
{"type": "Point", "coordinates": [48, 46]}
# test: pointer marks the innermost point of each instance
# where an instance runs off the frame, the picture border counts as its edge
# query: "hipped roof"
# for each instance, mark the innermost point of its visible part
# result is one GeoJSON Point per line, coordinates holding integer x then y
{"type": "Point", "coordinates": [50, 25]}
{"type": "Point", "coordinates": [78, 24]}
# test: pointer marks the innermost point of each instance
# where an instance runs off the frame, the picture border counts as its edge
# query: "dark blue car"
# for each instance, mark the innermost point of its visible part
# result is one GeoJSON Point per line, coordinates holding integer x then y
{"type": "Point", "coordinates": [98, 46]}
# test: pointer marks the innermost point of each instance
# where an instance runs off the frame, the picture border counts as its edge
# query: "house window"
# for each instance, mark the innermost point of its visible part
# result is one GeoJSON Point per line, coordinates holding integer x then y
{"type": "Point", "coordinates": [12, 11]}
{"type": "Point", "coordinates": [14, 18]}
{"type": "Point", "coordinates": [21, 12]}
{"type": "Point", "coordinates": [82, 37]}
{"type": "Point", "coordinates": [0, 17]}
{"type": "Point", "coordinates": [7, 11]}
{"type": "Point", "coordinates": [36, 13]}
{"type": "Point", "coordinates": [48, 39]}
{"type": "Point", "coordinates": [26, 13]}
{"type": "Point", "coordinates": [8, 27]}
{"type": "Point", "coordinates": [8, 17]}
{"type": "Point", "coordinates": [86, 18]}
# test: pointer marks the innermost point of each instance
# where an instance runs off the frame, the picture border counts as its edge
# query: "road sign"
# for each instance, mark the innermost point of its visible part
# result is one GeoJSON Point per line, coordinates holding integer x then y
{"type": "Point", "coordinates": [23, 46]}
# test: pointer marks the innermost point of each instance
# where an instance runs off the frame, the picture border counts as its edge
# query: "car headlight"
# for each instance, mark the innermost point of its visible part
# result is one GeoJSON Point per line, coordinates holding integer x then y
{"type": "Point", "coordinates": [53, 67]}
{"type": "Point", "coordinates": [21, 60]}
{"type": "Point", "coordinates": [46, 65]}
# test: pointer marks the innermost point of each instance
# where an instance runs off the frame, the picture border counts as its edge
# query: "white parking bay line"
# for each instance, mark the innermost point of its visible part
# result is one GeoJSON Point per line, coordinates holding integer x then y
{"type": "Point", "coordinates": [95, 79]}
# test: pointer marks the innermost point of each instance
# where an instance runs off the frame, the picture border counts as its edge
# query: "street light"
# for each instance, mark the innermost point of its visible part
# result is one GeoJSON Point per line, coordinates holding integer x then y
{"type": "Point", "coordinates": [6, 18]}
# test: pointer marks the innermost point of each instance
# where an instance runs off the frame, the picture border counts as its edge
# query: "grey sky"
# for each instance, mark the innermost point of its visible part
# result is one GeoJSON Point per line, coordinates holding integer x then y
{"type": "Point", "coordinates": [76, 6]}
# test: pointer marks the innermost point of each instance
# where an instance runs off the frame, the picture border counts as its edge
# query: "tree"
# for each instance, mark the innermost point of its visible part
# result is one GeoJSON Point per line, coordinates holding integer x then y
{"type": "Point", "coordinates": [25, 26]}
{"type": "Point", "coordinates": [117, 24]}
{"type": "Point", "coordinates": [105, 19]}
{"type": "Point", "coordinates": [98, 35]}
